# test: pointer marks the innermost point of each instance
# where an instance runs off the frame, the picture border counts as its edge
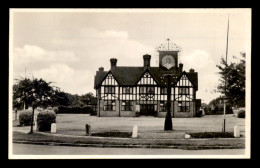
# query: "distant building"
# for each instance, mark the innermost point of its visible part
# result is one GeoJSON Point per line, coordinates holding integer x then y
{"type": "Point", "coordinates": [132, 91]}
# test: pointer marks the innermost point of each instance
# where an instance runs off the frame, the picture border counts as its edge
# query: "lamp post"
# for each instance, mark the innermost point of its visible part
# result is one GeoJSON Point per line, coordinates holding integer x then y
{"type": "Point", "coordinates": [168, 118]}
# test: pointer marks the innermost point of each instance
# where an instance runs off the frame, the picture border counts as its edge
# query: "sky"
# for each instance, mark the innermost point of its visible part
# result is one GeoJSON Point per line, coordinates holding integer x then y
{"type": "Point", "coordinates": [68, 46]}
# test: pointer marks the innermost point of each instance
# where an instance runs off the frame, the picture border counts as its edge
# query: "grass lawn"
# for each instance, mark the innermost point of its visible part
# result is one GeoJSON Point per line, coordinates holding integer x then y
{"type": "Point", "coordinates": [74, 124]}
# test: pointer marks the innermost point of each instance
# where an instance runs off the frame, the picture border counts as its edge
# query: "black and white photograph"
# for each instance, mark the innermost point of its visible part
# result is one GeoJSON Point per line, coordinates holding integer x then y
{"type": "Point", "coordinates": [126, 83]}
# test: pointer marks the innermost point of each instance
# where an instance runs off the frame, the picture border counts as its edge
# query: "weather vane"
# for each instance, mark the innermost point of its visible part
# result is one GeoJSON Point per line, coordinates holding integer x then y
{"type": "Point", "coordinates": [170, 46]}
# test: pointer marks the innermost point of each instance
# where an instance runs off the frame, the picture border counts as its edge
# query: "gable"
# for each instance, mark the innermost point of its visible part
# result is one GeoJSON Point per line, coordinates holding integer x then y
{"type": "Point", "coordinates": [184, 81]}
{"type": "Point", "coordinates": [146, 79]}
{"type": "Point", "coordinates": [109, 80]}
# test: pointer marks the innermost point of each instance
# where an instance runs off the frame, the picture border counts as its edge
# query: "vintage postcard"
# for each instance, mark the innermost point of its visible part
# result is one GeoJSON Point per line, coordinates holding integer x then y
{"type": "Point", "coordinates": [129, 83]}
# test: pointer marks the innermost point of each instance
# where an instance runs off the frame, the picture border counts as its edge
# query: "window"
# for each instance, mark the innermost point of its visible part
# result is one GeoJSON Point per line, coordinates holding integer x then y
{"type": "Point", "coordinates": [184, 90]}
{"type": "Point", "coordinates": [109, 105]}
{"type": "Point", "coordinates": [183, 106]}
{"type": "Point", "coordinates": [127, 90]}
{"type": "Point", "coordinates": [147, 90]}
{"type": "Point", "coordinates": [162, 106]}
{"type": "Point", "coordinates": [127, 105]}
{"type": "Point", "coordinates": [109, 89]}
{"type": "Point", "coordinates": [163, 90]}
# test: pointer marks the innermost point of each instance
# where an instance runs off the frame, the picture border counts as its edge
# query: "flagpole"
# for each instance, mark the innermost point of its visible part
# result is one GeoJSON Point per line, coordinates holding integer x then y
{"type": "Point", "coordinates": [224, 124]}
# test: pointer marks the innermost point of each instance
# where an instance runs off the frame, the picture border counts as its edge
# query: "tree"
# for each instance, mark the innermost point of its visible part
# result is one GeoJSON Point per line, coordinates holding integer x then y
{"type": "Point", "coordinates": [60, 98]}
{"type": "Point", "coordinates": [21, 90]}
{"type": "Point", "coordinates": [36, 93]}
{"type": "Point", "coordinates": [232, 82]}
{"type": "Point", "coordinates": [86, 98]}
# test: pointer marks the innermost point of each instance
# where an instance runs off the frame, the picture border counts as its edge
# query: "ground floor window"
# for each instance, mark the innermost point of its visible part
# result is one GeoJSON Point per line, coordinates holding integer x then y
{"type": "Point", "coordinates": [109, 105]}
{"type": "Point", "coordinates": [183, 106]}
{"type": "Point", "coordinates": [162, 106]}
{"type": "Point", "coordinates": [127, 105]}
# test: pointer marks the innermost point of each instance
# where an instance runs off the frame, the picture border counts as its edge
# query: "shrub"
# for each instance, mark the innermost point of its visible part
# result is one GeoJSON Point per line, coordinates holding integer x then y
{"type": "Point", "coordinates": [241, 114]}
{"type": "Point", "coordinates": [25, 117]}
{"type": "Point", "coordinates": [55, 109]}
{"type": "Point", "coordinates": [45, 119]}
{"type": "Point", "coordinates": [74, 110]}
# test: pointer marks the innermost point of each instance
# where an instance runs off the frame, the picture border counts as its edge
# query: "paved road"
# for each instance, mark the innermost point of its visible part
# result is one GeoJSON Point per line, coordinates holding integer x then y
{"type": "Point", "coordinates": [27, 149]}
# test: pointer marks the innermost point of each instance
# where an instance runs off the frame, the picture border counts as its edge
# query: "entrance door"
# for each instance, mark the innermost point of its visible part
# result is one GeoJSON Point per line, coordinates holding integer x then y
{"type": "Point", "coordinates": [147, 109]}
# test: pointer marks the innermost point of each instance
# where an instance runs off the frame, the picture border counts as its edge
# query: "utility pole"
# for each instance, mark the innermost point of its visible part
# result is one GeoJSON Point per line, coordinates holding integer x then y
{"type": "Point", "coordinates": [24, 78]}
{"type": "Point", "coordinates": [225, 98]}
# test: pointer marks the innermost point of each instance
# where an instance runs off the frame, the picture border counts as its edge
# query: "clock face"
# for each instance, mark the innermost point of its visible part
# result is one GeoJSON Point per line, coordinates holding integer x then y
{"type": "Point", "coordinates": [168, 61]}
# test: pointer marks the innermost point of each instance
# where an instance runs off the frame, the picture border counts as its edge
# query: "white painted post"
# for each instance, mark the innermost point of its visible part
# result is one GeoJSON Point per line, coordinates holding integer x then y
{"type": "Point", "coordinates": [53, 128]}
{"type": "Point", "coordinates": [236, 132]}
{"type": "Point", "coordinates": [135, 131]}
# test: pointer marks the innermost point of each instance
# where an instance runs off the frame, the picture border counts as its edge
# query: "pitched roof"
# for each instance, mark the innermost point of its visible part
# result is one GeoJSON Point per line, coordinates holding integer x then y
{"type": "Point", "coordinates": [131, 75]}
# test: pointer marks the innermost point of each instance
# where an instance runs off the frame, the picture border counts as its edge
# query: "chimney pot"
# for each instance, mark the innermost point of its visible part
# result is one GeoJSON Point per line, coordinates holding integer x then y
{"type": "Point", "coordinates": [181, 66]}
{"type": "Point", "coordinates": [101, 68]}
{"type": "Point", "coordinates": [113, 62]}
{"type": "Point", "coordinates": [192, 70]}
{"type": "Point", "coordinates": [147, 59]}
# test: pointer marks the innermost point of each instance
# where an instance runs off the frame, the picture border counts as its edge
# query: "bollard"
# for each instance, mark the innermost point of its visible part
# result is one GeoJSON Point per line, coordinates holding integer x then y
{"type": "Point", "coordinates": [236, 132]}
{"type": "Point", "coordinates": [53, 128]}
{"type": "Point", "coordinates": [88, 130]}
{"type": "Point", "coordinates": [135, 131]}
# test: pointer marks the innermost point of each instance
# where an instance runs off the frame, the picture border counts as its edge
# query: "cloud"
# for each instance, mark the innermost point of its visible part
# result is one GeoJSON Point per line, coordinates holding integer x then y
{"type": "Point", "coordinates": [33, 53]}
{"type": "Point", "coordinates": [67, 78]}
{"type": "Point", "coordinates": [204, 64]}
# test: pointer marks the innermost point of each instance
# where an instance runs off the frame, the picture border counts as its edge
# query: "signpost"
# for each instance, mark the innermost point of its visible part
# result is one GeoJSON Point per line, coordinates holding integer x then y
{"type": "Point", "coordinates": [168, 61]}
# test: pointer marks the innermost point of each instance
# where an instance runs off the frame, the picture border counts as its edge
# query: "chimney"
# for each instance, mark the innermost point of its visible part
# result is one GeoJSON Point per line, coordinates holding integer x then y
{"type": "Point", "coordinates": [192, 70]}
{"type": "Point", "coordinates": [101, 68]}
{"type": "Point", "coordinates": [147, 59]}
{"type": "Point", "coordinates": [113, 62]}
{"type": "Point", "coordinates": [181, 66]}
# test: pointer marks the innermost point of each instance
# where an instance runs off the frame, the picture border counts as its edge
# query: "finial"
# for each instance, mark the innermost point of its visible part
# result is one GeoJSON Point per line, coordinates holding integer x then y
{"type": "Point", "coordinates": [168, 42]}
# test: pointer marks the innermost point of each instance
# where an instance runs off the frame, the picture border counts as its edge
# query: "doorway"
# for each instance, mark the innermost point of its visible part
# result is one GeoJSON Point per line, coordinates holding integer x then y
{"type": "Point", "coordinates": [147, 109]}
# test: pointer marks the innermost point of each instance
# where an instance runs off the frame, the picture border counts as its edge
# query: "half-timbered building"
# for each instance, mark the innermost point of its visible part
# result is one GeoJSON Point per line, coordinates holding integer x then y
{"type": "Point", "coordinates": [133, 91]}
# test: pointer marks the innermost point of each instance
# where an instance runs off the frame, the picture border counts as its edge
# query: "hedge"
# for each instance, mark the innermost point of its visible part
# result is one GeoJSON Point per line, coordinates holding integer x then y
{"type": "Point", "coordinates": [25, 117]}
{"type": "Point", "coordinates": [74, 110]}
{"type": "Point", "coordinates": [212, 135]}
{"type": "Point", "coordinates": [45, 119]}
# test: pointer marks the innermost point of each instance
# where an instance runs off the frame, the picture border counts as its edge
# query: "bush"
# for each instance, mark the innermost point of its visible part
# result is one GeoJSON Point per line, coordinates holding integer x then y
{"type": "Point", "coordinates": [241, 114]}
{"type": "Point", "coordinates": [45, 119]}
{"type": "Point", "coordinates": [55, 109]}
{"type": "Point", "coordinates": [74, 110]}
{"type": "Point", "coordinates": [25, 117]}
